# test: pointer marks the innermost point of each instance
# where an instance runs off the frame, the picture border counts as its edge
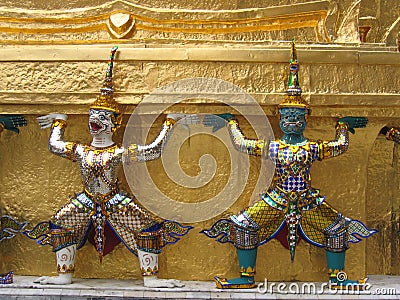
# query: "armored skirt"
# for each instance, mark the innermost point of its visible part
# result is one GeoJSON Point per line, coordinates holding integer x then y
{"type": "Point", "coordinates": [268, 222]}
{"type": "Point", "coordinates": [120, 218]}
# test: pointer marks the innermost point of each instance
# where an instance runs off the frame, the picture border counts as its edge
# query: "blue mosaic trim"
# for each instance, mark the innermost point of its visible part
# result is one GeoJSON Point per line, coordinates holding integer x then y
{"type": "Point", "coordinates": [9, 227]}
{"type": "Point", "coordinates": [40, 233]}
{"type": "Point", "coordinates": [7, 278]}
{"type": "Point", "coordinates": [65, 245]}
{"type": "Point", "coordinates": [220, 231]}
{"type": "Point", "coordinates": [358, 231]}
{"type": "Point", "coordinates": [173, 235]}
{"type": "Point", "coordinates": [82, 200]}
{"type": "Point", "coordinates": [149, 250]}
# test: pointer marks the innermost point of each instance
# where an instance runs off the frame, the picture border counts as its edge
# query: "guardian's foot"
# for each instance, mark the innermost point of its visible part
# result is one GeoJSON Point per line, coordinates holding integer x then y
{"type": "Point", "coordinates": [235, 283]}
{"type": "Point", "coordinates": [61, 279]}
{"type": "Point", "coordinates": [154, 282]}
{"type": "Point", "coordinates": [347, 284]}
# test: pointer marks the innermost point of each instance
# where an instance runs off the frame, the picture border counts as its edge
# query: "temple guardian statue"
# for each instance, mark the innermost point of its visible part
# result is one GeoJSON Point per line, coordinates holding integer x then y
{"type": "Point", "coordinates": [102, 213]}
{"type": "Point", "coordinates": [291, 206]}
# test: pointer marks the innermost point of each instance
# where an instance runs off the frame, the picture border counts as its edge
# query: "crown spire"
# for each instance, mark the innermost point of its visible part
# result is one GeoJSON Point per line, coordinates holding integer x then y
{"type": "Point", "coordinates": [293, 96]}
{"type": "Point", "coordinates": [293, 85]}
{"type": "Point", "coordinates": [106, 99]}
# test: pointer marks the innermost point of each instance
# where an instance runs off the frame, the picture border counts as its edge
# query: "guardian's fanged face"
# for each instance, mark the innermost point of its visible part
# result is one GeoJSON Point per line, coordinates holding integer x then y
{"type": "Point", "coordinates": [293, 120]}
{"type": "Point", "coordinates": [100, 121]}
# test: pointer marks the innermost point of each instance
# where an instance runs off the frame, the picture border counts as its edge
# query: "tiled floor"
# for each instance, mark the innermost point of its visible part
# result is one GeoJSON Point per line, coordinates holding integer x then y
{"type": "Point", "coordinates": [381, 287]}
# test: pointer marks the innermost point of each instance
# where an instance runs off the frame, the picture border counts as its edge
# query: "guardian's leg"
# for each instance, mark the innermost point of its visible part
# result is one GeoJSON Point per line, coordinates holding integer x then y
{"type": "Point", "coordinates": [246, 243]}
{"type": "Point", "coordinates": [149, 247]}
{"type": "Point", "coordinates": [336, 246]}
{"type": "Point", "coordinates": [65, 248]}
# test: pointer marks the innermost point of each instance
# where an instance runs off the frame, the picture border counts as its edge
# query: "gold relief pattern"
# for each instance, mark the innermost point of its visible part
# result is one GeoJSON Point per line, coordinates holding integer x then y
{"type": "Point", "coordinates": [121, 25]}
{"type": "Point", "coordinates": [120, 15]}
{"type": "Point", "coordinates": [111, 22]}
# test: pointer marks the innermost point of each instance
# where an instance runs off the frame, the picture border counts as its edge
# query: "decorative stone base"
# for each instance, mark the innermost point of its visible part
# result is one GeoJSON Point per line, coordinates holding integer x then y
{"type": "Point", "coordinates": [102, 289]}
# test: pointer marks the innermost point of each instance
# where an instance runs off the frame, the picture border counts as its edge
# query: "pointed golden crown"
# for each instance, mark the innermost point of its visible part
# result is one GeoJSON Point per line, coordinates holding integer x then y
{"type": "Point", "coordinates": [293, 96]}
{"type": "Point", "coordinates": [106, 100]}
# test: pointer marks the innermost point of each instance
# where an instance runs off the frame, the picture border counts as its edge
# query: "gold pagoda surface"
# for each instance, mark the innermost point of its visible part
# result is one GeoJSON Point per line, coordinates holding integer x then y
{"type": "Point", "coordinates": [88, 22]}
{"type": "Point", "coordinates": [53, 58]}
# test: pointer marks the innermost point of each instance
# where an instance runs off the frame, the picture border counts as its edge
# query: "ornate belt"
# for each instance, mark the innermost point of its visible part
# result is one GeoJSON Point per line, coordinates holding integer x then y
{"type": "Point", "coordinates": [102, 198]}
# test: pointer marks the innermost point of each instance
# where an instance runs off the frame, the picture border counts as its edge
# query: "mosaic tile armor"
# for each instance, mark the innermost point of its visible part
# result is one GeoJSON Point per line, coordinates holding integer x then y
{"type": "Point", "coordinates": [102, 203]}
{"type": "Point", "coordinates": [291, 200]}
{"type": "Point", "coordinates": [103, 213]}
{"type": "Point", "coordinates": [291, 208]}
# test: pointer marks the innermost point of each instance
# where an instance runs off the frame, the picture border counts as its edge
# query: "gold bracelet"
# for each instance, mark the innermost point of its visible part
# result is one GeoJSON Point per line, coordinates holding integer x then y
{"type": "Point", "coordinates": [391, 133]}
{"type": "Point", "coordinates": [343, 125]}
{"type": "Point", "coordinates": [59, 123]}
{"type": "Point", "coordinates": [169, 122]}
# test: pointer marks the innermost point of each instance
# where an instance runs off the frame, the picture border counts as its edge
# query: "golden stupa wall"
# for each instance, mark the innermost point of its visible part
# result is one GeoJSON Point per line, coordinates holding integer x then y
{"type": "Point", "coordinates": [53, 59]}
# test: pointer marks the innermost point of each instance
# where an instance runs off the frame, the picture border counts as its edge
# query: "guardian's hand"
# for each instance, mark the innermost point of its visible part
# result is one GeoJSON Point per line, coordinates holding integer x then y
{"type": "Point", "coordinates": [217, 121]}
{"type": "Point", "coordinates": [354, 122]}
{"type": "Point", "coordinates": [47, 120]}
{"type": "Point", "coordinates": [12, 122]}
{"type": "Point", "coordinates": [185, 119]}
